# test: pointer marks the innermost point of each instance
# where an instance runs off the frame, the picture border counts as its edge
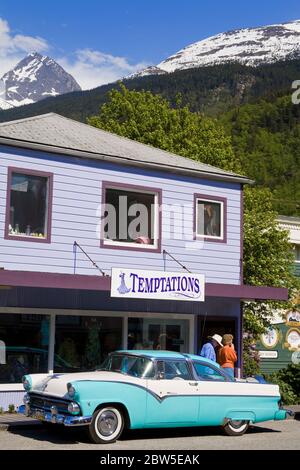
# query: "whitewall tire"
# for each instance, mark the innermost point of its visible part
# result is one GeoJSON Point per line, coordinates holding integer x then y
{"type": "Point", "coordinates": [106, 426]}
{"type": "Point", "coordinates": [236, 428]}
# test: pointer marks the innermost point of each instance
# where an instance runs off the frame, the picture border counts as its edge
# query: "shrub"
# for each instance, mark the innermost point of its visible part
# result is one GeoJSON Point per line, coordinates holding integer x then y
{"type": "Point", "coordinates": [289, 383]}
{"type": "Point", "coordinates": [11, 408]}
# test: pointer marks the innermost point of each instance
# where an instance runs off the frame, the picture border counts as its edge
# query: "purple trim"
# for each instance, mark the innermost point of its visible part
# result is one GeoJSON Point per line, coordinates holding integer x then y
{"type": "Point", "coordinates": [132, 187]}
{"type": "Point", "coordinates": [242, 235]}
{"type": "Point", "coordinates": [245, 292]}
{"type": "Point", "coordinates": [212, 199]}
{"type": "Point", "coordinates": [53, 280]}
{"type": "Point", "coordinates": [84, 282]}
{"type": "Point", "coordinates": [241, 342]}
{"type": "Point", "coordinates": [30, 172]}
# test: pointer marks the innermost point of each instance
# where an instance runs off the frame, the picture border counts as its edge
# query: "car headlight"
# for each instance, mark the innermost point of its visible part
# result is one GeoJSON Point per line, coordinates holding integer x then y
{"type": "Point", "coordinates": [73, 408]}
{"type": "Point", "coordinates": [27, 382]}
{"type": "Point", "coordinates": [71, 390]}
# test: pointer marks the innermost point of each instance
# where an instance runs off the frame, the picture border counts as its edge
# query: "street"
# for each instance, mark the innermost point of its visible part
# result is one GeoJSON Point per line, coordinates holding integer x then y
{"type": "Point", "coordinates": [270, 435]}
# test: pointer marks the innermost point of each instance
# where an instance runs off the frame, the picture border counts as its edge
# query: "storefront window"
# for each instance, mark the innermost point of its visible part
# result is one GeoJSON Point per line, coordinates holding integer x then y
{"type": "Point", "coordinates": [25, 339]}
{"type": "Point", "coordinates": [145, 333]}
{"type": "Point", "coordinates": [83, 342]}
{"type": "Point", "coordinates": [28, 205]}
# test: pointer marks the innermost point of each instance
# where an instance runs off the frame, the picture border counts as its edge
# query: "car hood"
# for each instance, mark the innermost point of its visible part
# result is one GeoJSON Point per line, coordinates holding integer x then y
{"type": "Point", "coordinates": [56, 384]}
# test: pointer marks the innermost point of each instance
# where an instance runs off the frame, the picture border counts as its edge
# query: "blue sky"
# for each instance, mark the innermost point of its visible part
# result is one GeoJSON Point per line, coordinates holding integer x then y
{"type": "Point", "coordinates": [100, 41]}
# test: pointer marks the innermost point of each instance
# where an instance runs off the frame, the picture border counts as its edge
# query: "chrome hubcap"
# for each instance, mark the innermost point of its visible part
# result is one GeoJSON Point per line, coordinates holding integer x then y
{"type": "Point", "coordinates": [107, 423]}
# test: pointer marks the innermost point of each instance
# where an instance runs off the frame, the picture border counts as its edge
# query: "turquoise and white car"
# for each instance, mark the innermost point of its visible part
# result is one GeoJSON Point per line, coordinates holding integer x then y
{"type": "Point", "coordinates": [150, 389]}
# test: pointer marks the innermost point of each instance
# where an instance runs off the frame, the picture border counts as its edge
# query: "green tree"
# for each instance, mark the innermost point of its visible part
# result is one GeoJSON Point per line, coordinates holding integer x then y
{"type": "Point", "coordinates": [150, 119]}
{"type": "Point", "coordinates": [268, 261]}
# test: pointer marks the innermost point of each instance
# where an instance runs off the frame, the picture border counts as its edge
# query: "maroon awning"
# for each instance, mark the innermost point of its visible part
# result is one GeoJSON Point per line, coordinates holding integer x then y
{"type": "Point", "coordinates": [83, 282]}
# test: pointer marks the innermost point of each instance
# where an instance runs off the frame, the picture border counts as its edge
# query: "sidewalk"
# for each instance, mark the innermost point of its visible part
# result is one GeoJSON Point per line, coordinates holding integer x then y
{"type": "Point", "coordinates": [8, 420]}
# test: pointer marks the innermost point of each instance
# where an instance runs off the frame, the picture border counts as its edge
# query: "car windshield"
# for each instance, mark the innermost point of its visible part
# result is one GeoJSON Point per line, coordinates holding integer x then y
{"type": "Point", "coordinates": [135, 366]}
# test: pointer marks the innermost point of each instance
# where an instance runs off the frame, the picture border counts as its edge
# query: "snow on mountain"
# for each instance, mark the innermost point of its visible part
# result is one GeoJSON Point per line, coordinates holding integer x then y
{"type": "Point", "coordinates": [249, 46]}
{"type": "Point", "coordinates": [34, 78]}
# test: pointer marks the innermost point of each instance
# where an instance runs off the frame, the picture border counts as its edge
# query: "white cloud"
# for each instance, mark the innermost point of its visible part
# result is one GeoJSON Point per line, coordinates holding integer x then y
{"type": "Point", "coordinates": [13, 47]}
{"type": "Point", "coordinates": [94, 68]}
{"type": "Point", "coordinates": [90, 68]}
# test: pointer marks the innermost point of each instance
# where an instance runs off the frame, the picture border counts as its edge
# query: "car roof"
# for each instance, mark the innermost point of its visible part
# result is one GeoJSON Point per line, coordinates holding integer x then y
{"type": "Point", "coordinates": [157, 354]}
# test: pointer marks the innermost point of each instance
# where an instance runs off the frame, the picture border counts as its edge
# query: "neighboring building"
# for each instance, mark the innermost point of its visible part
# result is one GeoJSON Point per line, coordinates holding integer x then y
{"type": "Point", "coordinates": [280, 346]}
{"type": "Point", "coordinates": [62, 311]}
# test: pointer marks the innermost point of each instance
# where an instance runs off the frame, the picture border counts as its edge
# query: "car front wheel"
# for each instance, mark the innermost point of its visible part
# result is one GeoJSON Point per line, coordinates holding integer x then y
{"type": "Point", "coordinates": [106, 426]}
{"type": "Point", "coordinates": [236, 428]}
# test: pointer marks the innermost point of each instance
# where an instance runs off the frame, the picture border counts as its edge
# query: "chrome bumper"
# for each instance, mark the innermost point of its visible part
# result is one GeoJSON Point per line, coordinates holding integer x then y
{"type": "Point", "coordinates": [290, 414]}
{"type": "Point", "coordinates": [55, 418]}
{"type": "Point", "coordinates": [284, 414]}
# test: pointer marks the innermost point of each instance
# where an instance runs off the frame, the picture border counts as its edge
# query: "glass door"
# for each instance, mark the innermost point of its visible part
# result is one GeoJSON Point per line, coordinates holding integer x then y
{"type": "Point", "coordinates": [158, 333]}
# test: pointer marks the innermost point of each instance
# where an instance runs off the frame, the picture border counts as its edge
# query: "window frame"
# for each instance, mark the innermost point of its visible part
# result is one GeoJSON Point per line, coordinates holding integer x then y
{"type": "Point", "coordinates": [227, 378]}
{"type": "Point", "coordinates": [168, 360]}
{"type": "Point", "coordinates": [223, 218]}
{"type": "Point", "coordinates": [48, 218]}
{"type": "Point", "coordinates": [117, 245]}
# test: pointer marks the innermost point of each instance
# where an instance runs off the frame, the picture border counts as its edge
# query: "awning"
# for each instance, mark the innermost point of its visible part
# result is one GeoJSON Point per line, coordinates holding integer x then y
{"type": "Point", "coordinates": [102, 283]}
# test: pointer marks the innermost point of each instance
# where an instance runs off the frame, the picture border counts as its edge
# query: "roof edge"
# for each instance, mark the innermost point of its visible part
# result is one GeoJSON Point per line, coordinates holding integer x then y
{"type": "Point", "coordinates": [12, 142]}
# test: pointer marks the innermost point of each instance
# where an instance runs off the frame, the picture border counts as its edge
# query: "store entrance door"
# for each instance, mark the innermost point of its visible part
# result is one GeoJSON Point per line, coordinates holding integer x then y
{"type": "Point", "coordinates": [158, 333]}
{"type": "Point", "coordinates": [220, 326]}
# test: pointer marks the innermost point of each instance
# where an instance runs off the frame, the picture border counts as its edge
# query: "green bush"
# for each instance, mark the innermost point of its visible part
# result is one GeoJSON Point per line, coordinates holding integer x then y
{"type": "Point", "coordinates": [11, 408]}
{"type": "Point", "coordinates": [1, 410]}
{"type": "Point", "coordinates": [289, 383]}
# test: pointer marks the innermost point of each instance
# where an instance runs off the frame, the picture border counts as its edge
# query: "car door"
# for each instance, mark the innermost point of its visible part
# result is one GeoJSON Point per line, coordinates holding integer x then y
{"type": "Point", "coordinates": [215, 393]}
{"type": "Point", "coordinates": [173, 395]}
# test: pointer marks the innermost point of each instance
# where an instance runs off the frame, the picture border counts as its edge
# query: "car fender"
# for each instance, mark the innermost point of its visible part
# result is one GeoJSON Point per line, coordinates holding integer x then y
{"type": "Point", "coordinates": [91, 394]}
{"type": "Point", "coordinates": [240, 415]}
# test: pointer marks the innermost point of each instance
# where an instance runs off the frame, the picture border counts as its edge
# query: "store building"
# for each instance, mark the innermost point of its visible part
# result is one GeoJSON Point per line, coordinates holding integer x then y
{"type": "Point", "coordinates": [280, 345]}
{"type": "Point", "coordinates": [60, 310]}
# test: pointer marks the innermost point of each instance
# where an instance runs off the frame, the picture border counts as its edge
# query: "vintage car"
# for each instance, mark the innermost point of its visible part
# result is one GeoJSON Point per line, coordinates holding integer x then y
{"type": "Point", "coordinates": [150, 389]}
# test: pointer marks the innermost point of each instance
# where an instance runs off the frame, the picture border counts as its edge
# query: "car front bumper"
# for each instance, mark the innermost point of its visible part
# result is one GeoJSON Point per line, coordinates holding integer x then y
{"type": "Point", "coordinates": [53, 417]}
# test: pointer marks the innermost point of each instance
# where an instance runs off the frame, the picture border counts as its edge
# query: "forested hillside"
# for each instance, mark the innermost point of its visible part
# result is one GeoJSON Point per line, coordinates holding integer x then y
{"type": "Point", "coordinates": [211, 90]}
{"type": "Point", "coordinates": [253, 104]}
{"type": "Point", "coordinates": [266, 139]}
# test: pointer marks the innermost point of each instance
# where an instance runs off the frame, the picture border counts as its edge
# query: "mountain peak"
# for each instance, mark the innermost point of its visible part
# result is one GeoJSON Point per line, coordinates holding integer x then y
{"type": "Point", "coordinates": [247, 46]}
{"type": "Point", "coordinates": [34, 78]}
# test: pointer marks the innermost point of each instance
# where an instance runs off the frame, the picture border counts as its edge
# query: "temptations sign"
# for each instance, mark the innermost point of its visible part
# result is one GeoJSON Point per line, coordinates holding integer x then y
{"type": "Point", "coordinates": [140, 284]}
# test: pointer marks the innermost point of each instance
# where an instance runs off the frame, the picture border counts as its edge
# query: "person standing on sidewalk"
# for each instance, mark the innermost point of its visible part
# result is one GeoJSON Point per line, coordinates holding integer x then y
{"type": "Point", "coordinates": [210, 348]}
{"type": "Point", "coordinates": [227, 356]}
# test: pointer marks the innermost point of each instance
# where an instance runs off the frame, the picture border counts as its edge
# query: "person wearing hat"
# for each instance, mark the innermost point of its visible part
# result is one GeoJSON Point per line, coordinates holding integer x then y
{"type": "Point", "coordinates": [227, 355]}
{"type": "Point", "coordinates": [210, 348]}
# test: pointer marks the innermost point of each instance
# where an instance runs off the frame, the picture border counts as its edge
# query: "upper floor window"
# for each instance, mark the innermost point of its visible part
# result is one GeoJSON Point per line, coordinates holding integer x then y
{"type": "Point", "coordinates": [296, 252]}
{"type": "Point", "coordinates": [210, 218]}
{"type": "Point", "coordinates": [28, 205]}
{"type": "Point", "coordinates": [130, 217]}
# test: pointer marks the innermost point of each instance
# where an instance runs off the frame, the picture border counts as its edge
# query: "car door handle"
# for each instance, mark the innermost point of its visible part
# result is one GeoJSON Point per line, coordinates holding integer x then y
{"type": "Point", "coordinates": [194, 384]}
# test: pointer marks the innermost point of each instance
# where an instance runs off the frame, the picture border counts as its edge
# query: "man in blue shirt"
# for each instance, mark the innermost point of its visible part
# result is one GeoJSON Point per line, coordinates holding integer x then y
{"type": "Point", "coordinates": [210, 348]}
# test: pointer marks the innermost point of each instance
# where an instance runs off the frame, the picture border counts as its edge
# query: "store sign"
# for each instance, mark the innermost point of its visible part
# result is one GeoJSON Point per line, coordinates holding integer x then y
{"type": "Point", "coordinates": [268, 354]}
{"type": "Point", "coordinates": [140, 284]}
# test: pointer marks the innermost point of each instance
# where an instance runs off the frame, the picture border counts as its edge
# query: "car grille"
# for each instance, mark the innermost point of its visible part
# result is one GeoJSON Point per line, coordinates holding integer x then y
{"type": "Point", "coordinates": [42, 402]}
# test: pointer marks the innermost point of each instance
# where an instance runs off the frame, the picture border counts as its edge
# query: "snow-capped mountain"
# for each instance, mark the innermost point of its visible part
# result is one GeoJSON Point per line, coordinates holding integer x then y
{"type": "Point", "coordinates": [34, 78]}
{"type": "Point", "coordinates": [249, 46]}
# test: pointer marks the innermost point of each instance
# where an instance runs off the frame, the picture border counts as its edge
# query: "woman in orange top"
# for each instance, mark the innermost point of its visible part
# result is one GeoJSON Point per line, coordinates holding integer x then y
{"type": "Point", "coordinates": [227, 355]}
